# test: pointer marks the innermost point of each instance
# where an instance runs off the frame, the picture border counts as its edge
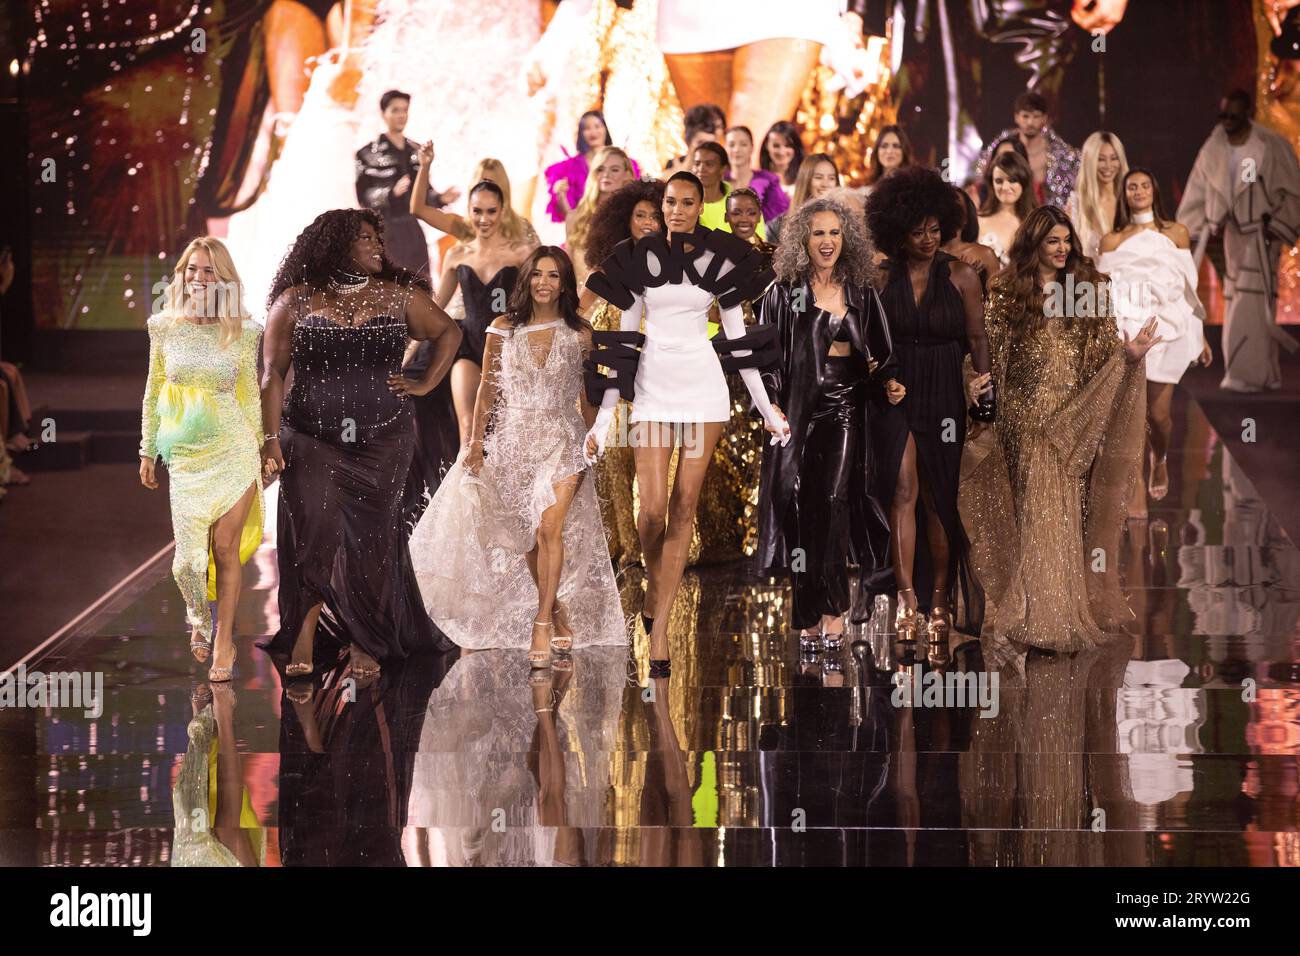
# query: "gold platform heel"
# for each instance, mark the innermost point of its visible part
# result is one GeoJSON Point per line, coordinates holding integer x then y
{"type": "Point", "coordinates": [937, 629]}
{"type": "Point", "coordinates": [905, 621]}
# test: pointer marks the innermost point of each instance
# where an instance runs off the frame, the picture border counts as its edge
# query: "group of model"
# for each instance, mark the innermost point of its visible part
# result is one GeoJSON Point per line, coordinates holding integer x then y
{"type": "Point", "coordinates": [937, 419]}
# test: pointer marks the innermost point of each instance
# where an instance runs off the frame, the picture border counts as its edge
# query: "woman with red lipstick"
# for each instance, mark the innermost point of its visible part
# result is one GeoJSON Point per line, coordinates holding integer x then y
{"type": "Point", "coordinates": [676, 383]}
{"type": "Point", "coordinates": [1045, 507]}
{"type": "Point", "coordinates": [935, 309]}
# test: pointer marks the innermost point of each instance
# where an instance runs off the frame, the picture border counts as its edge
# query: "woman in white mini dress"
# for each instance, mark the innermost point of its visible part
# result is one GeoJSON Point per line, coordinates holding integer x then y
{"type": "Point", "coordinates": [1150, 265]}
{"type": "Point", "coordinates": [676, 383]}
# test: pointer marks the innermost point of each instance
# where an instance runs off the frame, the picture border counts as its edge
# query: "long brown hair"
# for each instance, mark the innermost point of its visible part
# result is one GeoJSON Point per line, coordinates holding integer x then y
{"type": "Point", "coordinates": [1020, 280]}
{"type": "Point", "coordinates": [1124, 215]}
{"type": "Point", "coordinates": [876, 169]}
{"type": "Point", "coordinates": [1017, 171]}
{"type": "Point", "coordinates": [519, 308]}
{"type": "Point", "coordinates": [803, 182]}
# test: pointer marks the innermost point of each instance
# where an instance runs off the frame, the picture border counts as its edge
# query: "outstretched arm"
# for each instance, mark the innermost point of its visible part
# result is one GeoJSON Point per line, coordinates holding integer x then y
{"type": "Point", "coordinates": [733, 326]}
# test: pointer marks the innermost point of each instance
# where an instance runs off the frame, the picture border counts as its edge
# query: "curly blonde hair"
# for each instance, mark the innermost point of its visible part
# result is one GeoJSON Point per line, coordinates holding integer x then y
{"type": "Point", "coordinates": [856, 264]}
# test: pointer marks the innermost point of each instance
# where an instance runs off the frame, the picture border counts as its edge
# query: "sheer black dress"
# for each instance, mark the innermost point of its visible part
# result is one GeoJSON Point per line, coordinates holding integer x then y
{"type": "Point", "coordinates": [930, 340]}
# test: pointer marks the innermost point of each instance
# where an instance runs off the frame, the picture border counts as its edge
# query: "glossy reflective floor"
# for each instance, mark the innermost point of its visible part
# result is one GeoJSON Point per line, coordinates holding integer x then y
{"type": "Point", "coordinates": [1174, 747]}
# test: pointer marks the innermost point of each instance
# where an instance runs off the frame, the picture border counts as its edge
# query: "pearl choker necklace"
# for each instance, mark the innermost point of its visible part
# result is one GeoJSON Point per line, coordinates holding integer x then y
{"type": "Point", "coordinates": [345, 283]}
{"type": "Point", "coordinates": [1142, 218]}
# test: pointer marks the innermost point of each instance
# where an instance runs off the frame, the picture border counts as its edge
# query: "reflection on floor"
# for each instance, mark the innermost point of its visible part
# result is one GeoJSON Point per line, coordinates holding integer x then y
{"type": "Point", "coordinates": [1177, 746]}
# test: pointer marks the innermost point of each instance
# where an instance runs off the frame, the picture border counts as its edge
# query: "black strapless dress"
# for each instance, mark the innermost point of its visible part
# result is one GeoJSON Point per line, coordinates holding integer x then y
{"type": "Point", "coordinates": [483, 303]}
{"type": "Point", "coordinates": [348, 443]}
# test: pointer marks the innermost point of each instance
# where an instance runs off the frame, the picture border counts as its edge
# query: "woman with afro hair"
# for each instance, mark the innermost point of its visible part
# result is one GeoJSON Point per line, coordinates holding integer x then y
{"type": "Point", "coordinates": [340, 315]}
{"type": "Point", "coordinates": [630, 213]}
{"type": "Point", "coordinates": [934, 304]}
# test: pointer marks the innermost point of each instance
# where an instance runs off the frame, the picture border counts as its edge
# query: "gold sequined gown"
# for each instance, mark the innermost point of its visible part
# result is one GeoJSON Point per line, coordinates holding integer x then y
{"type": "Point", "coordinates": [1043, 494]}
{"type": "Point", "coordinates": [202, 414]}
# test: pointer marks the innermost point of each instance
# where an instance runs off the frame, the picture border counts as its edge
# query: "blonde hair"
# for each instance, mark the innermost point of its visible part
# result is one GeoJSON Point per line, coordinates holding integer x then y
{"type": "Point", "coordinates": [493, 170]}
{"type": "Point", "coordinates": [586, 208]}
{"type": "Point", "coordinates": [803, 181]}
{"type": "Point", "coordinates": [1090, 208]}
{"type": "Point", "coordinates": [229, 297]}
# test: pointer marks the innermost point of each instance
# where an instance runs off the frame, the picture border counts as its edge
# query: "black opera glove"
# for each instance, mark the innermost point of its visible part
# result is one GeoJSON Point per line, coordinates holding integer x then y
{"type": "Point", "coordinates": [762, 341]}
{"type": "Point", "coordinates": [986, 409]}
{"type": "Point", "coordinates": [619, 351]}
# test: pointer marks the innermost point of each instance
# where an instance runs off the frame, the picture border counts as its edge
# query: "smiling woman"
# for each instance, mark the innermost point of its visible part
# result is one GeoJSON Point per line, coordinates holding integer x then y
{"type": "Point", "coordinates": [341, 314]}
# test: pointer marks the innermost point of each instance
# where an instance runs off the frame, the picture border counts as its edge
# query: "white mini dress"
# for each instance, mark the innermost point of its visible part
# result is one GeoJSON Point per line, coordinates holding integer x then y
{"type": "Point", "coordinates": [679, 377]}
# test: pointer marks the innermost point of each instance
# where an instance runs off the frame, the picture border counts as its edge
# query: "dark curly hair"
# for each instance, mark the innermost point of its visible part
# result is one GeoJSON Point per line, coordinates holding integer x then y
{"type": "Point", "coordinates": [906, 198]}
{"type": "Point", "coordinates": [609, 223]}
{"type": "Point", "coordinates": [324, 249]}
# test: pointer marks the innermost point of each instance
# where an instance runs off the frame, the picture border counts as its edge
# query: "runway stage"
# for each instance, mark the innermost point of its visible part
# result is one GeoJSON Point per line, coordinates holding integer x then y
{"type": "Point", "coordinates": [1177, 747]}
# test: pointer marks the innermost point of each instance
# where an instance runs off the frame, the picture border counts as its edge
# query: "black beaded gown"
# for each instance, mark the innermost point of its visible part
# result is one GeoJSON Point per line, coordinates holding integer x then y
{"type": "Point", "coordinates": [484, 301]}
{"type": "Point", "coordinates": [348, 442]}
{"type": "Point", "coordinates": [930, 341]}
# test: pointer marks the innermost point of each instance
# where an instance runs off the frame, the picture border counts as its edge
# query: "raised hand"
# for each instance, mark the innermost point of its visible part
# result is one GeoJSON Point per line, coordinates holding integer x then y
{"type": "Point", "coordinates": [1138, 346]}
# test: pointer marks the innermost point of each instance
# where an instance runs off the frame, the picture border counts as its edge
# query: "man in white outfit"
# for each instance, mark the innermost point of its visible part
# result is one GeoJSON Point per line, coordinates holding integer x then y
{"type": "Point", "coordinates": [1245, 185]}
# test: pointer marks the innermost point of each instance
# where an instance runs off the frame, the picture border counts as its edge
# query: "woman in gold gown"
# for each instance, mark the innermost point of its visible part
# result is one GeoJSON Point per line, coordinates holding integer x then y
{"type": "Point", "coordinates": [1043, 495]}
{"type": "Point", "coordinates": [202, 416]}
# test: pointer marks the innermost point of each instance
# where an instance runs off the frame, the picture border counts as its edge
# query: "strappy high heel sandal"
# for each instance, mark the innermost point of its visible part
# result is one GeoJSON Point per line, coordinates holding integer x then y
{"type": "Point", "coordinates": [937, 629]}
{"type": "Point", "coordinates": [203, 644]}
{"type": "Point", "coordinates": [1157, 489]}
{"type": "Point", "coordinates": [810, 643]}
{"type": "Point", "coordinates": [540, 660]}
{"type": "Point", "coordinates": [561, 643]}
{"type": "Point", "coordinates": [223, 675]}
{"type": "Point", "coordinates": [905, 620]}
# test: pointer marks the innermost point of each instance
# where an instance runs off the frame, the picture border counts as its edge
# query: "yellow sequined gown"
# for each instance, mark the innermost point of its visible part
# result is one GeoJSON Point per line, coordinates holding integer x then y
{"type": "Point", "coordinates": [1043, 494]}
{"type": "Point", "coordinates": [202, 414]}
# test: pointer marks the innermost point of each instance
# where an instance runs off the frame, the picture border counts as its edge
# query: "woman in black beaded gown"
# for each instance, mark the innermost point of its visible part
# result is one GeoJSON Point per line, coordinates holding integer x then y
{"type": "Point", "coordinates": [340, 316]}
{"type": "Point", "coordinates": [936, 315]}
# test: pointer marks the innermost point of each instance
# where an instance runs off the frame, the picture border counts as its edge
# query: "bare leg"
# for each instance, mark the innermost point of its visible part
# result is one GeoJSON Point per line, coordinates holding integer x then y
{"type": "Point", "coordinates": [703, 78]}
{"type": "Point", "coordinates": [768, 78]}
{"type": "Point", "coordinates": [305, 643]}
{"type": "Point", "coordinates": [465, 377]}
{"type": "Point", "coordinates": [902, 524]}
{"type": "Point", "coordinates": [652, 454]}
{"type": "Point", "coordinates": [550, 558]}
{"type": "Point", "coordinates": [225, 553]}
{"type": "Point", "coordinates": [685, 498]}
{"type": "Point", "coordinates": [940, 554]}
{"type": "Point", "coordinates": [1160, 426]}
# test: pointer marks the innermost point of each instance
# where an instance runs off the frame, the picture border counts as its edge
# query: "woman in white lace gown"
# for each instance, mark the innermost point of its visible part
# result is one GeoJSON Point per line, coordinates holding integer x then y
{"type": "Point", "coordinates": [513, 539]}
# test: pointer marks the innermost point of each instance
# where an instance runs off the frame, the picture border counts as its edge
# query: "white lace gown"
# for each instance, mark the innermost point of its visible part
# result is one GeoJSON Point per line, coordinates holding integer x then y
{"type": "Point", "coordinates": [469, 547]}
{"type": "Point", "coordinates": [1150, 276]}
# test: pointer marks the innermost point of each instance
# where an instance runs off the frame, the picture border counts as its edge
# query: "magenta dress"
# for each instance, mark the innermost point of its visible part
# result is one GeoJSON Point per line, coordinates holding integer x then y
{"type": "Point", "coordinates": [571, 176]}
{"type": "Point", "coordinates": [771, 197]}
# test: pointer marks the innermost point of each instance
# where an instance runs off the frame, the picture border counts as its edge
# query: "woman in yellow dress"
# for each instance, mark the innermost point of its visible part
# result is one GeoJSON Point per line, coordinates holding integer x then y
{"type": "Point", "coordinates": [1044, 504]}
{"type": "Point", "coordinates": [202, 416]}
